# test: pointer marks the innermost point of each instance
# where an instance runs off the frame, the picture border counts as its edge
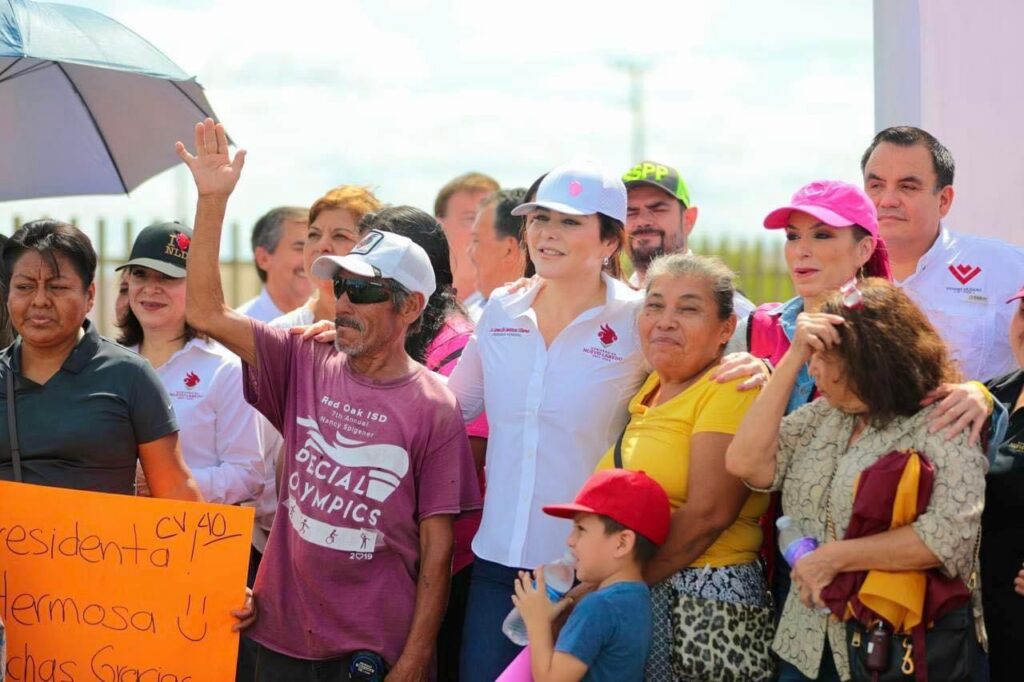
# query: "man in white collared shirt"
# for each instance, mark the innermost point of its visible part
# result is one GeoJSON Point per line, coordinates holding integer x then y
{"type": "Point", "coordinates": [277, 242]}
{"type": "Point", "coordinates": [960, 281]}
{"type": "Point", "coordinates": [455, 208]}
{"type": "Point", "coordinates": [496, 247]}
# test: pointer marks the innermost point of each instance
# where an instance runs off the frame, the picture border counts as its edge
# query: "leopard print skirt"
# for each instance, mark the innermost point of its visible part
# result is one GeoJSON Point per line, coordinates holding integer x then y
{"type": "Point", "coordinates": [740, 584]}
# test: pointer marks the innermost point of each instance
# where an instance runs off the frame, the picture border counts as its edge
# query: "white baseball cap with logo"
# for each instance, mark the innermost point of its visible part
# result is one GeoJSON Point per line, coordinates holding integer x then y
{"type": "Point", "coordinates": [383, 255]}
{"type": "Point", "coordinates": [579, 189]}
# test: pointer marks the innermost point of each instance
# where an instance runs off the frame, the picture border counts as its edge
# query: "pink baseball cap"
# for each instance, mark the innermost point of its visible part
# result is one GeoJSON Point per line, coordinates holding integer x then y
{"type": "Point", "coordinates": [838, 204]}
{"type": "Point", "coordinates": [1019, 294]}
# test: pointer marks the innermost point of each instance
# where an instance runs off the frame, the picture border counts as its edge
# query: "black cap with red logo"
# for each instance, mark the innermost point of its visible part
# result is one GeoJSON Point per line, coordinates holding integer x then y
{"type": "Point", "coordinates": [162, 247]}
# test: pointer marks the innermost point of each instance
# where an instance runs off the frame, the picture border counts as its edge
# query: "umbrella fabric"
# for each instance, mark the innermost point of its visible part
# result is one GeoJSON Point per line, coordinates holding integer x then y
{"type": "Point", "coordinates": [86, 105]}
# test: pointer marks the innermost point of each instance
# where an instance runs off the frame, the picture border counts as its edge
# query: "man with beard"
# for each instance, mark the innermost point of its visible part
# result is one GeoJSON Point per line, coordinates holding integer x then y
{"type": "Point", "coordinates": [659, 219]}
{"type": "Point", "coordinates": [375, 465]}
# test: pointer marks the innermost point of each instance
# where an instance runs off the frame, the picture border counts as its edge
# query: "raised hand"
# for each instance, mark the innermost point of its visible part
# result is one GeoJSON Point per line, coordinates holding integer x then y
{"type": "Point", "coordinates": [214, 172]}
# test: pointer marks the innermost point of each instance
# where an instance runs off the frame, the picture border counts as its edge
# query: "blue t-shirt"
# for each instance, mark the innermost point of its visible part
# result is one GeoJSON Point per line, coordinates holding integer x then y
{"type": "Point", "coordinates": [610, 631]}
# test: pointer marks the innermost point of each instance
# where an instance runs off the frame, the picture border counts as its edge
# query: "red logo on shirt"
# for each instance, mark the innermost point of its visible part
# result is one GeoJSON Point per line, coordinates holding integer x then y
{"type": "Point", "coordinates": [965, 273]}
{"type": "Point", "coordinates": [607, 335]}
{"type": "Point", "coordinates": [191, 379]}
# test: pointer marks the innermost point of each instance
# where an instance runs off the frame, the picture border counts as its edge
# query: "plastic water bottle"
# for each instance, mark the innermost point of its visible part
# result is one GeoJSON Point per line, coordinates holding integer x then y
{"type": "Point", "coordinates": [793, 543]}
{"type": "Point", "coordinates": [558, 577]}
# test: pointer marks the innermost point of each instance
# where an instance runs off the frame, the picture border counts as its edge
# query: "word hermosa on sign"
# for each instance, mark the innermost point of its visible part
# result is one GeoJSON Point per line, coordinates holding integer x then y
{"type": "Point", "coordinates": [112, 587]}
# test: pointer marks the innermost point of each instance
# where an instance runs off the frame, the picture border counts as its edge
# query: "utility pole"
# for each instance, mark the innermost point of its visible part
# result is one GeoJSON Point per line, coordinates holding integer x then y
{"type": "Point", "coordinates": [636, 70]}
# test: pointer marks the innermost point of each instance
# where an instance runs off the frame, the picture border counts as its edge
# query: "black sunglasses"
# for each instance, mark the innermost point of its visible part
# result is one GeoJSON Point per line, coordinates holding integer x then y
{"type": "Point", "coordinates": [361, 291]}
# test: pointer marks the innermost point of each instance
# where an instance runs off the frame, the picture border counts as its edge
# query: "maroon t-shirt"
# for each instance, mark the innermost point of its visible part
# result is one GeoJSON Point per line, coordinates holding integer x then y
{"type": "Point", "coordinates": [363, 463]}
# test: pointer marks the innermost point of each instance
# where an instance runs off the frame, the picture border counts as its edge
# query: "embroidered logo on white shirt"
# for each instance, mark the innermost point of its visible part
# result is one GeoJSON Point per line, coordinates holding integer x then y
{"type": "Point", "coordinates": [964, 273]}
{"type": "Point", "coordinates": [606, 335]}
{"type": "Point", "coordinates": [509, 331]}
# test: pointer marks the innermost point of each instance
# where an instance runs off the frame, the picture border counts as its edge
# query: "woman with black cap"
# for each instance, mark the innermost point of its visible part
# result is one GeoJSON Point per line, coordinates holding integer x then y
{"type": "Point", "coordinates": [114, 412]}
{"type": "Point", "coordinates": [219, 437]}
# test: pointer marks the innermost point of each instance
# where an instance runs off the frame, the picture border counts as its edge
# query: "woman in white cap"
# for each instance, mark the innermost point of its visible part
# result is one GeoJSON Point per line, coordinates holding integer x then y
{"type": "Point", "coordinates": [219, 437]}
{"type": "Point", "coordinates": [554, 365]}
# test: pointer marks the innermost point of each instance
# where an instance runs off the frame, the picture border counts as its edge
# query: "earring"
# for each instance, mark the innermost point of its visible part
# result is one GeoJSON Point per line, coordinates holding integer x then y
{"type": "Point", "coordinates": [605, 262]}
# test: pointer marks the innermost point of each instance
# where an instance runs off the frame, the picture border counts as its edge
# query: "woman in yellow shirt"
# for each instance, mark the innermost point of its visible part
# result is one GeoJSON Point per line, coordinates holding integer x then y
{"type": "Point", "coordinates": [681, 423]}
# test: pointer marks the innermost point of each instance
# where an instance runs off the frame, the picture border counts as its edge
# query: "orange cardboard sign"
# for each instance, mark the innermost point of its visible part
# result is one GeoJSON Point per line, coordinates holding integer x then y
{"type": "Point", "coordinates": [113, 588]}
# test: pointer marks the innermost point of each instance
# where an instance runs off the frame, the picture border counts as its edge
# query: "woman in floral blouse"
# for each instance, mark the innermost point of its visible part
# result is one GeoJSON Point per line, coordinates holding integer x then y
{"type": "Point", "coordinates": [874, 357]}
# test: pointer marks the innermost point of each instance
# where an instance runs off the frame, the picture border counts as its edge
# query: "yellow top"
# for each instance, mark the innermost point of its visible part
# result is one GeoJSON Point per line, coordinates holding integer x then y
{"type": "Point", "coordinates": [657, 441]}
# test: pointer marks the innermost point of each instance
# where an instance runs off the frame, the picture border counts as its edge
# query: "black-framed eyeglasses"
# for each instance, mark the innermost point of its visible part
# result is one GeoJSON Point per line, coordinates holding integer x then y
{"type": "Point", "coordinates": [361, 291]}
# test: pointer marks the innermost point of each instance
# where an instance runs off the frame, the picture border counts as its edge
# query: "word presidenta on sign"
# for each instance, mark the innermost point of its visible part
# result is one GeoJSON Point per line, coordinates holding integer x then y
{"type": "Point", "coordinates": [116, 588]}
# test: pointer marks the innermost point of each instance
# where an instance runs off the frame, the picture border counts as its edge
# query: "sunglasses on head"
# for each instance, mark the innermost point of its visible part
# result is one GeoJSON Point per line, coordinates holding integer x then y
{"type": "Point", "coordinates": [361, 291]}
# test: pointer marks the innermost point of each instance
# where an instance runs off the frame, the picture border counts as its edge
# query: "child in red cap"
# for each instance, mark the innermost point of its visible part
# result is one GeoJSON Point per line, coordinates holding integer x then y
{"type": "Point", "coordinates": [619, 518]}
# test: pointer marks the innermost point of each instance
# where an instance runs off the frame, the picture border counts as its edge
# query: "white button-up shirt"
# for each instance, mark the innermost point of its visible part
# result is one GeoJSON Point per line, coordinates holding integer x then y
{"type": "Point", "coordinates": [962, 284]}
{"type": "Point", "coordinates": [219, 433]}
{"type": "Point", "coordinates": [553, 412]}
{"type": "Point", "coordinates": [474, 305]}
{"type": "Point", "coordinates": [261, 308]}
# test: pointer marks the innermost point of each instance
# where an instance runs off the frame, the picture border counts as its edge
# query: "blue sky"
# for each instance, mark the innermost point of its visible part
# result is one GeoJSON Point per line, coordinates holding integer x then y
{"type": "Point", "coordinates": [748, 99]}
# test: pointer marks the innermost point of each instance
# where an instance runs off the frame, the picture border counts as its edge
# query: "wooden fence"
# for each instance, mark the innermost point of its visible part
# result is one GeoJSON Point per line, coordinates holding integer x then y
{"type": "Point", "coordinates": [759, 264]}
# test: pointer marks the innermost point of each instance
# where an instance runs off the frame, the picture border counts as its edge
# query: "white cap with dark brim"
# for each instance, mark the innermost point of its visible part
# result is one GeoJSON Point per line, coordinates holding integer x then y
{"type": "Point", "coordinates": [383, 255]}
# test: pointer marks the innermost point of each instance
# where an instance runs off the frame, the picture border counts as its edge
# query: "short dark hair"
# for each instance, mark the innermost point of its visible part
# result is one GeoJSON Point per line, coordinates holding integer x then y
{"type": "Point", "coordinates": [716, 274]}
{"type": "Point", "coordinates": [890, 383]}
{"type": "Point", "coordinates": [467, 182]}
{"type": "Point", "coordinates": [6, 332]}
{"type": "Point", "coordinates": [50, 238]}
{"type": "Point", "coordinates": [505, 224]}
{"type": "Point", "coordinates": [643, 549]}
{"type": "Point", "coordinates": [267, 230]}
{"type": "Point", "coordinates": [909, 136]}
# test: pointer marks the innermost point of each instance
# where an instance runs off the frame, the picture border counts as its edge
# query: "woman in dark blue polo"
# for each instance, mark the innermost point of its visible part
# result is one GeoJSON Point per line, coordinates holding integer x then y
{"type": "Point", "coordinates": [86, 410]}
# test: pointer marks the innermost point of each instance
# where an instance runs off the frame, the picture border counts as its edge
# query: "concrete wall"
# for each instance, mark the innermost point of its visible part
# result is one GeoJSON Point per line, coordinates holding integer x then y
{"type": "Point", "coordinates": [953, 67]}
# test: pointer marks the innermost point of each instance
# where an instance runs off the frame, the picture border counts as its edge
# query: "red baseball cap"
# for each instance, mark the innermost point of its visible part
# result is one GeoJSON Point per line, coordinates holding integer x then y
{"type": "Point", "coordinates": [632, 498]}
{"type": "Point", "coordinates": [1019, 294]}
{"type": "Point", "coordinates": [838, 204]}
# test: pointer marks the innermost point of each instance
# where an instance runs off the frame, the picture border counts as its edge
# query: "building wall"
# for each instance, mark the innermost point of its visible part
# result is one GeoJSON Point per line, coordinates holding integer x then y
{"type": "Point", "coordinates": [952, 68]}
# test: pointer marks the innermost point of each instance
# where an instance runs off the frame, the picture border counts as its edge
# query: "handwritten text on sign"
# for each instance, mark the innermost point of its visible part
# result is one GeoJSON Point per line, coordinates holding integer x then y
{"type": "Point", "coordinates": [113, 588]}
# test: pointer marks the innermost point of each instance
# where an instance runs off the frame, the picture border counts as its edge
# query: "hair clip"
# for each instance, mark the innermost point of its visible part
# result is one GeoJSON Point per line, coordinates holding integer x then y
{"type": "Point", "coordinates": [853, 298]}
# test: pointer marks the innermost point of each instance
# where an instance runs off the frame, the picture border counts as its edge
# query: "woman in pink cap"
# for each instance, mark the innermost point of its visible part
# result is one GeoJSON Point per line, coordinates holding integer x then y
{"type": "Point", "coordinates": [832, 241]}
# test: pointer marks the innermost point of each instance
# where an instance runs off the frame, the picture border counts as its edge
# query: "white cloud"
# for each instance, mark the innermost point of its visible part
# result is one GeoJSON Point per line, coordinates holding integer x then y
{"type": "Point", "coordinates": [749, 99]}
